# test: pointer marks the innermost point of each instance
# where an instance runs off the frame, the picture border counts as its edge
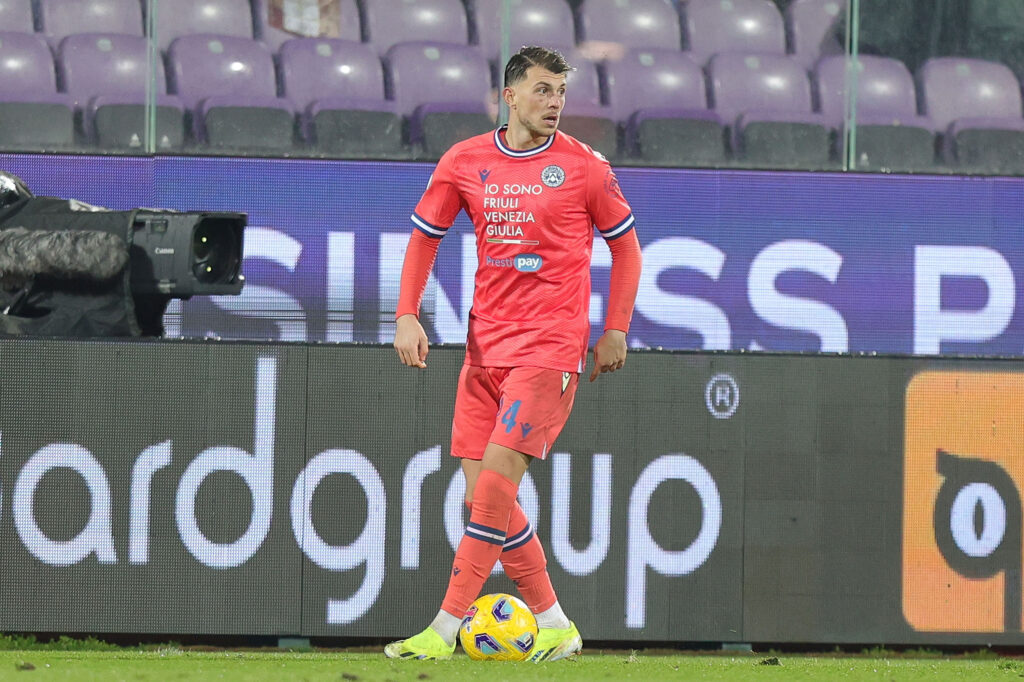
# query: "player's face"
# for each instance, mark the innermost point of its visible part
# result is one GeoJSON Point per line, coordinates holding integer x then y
{"type": "Point", "coordinates": [537, 101]}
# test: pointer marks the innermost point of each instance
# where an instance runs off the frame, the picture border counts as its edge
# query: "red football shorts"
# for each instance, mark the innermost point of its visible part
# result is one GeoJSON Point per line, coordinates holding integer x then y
{"type": "Point", "coordinates": [522, 408]}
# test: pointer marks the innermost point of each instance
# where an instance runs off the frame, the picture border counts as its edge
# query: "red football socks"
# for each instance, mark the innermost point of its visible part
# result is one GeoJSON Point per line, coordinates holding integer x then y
{"type": "Point", "coordinates": [525, 563]}
{"type": "Point", "coordinates": [493, 500]}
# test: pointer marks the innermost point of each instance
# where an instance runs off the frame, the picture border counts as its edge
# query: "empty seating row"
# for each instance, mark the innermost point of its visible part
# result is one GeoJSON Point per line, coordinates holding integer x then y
{"type": "Point", "coordinates": [225, 91]}
{"type": "Point", "coordinates": [703, 27]}
{"type": "Point", "coordinates": [338, 97]}
{"type": "Point", "coordinates": [56, 19]}
{"type": "Point", "coordinates": [773, 114]}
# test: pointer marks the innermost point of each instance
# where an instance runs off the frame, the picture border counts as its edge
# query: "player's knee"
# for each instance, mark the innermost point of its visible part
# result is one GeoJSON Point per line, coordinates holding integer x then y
{"type": "Point", "coordinates": [505, 461]}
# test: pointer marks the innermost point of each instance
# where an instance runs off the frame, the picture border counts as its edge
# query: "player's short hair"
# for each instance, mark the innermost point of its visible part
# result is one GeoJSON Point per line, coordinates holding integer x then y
{"type": "Point", "coordinates": [533, 55]}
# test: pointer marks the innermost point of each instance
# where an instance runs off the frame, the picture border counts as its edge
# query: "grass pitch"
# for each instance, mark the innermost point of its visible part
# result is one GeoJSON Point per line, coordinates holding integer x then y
{"type": "Point", "coordinates": [174, 663]}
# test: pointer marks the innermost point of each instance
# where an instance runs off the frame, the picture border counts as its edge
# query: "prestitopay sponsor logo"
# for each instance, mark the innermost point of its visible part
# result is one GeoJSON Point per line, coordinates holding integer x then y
{"type": "Point", "coordinates": [500, 262]}
{"type": "Point", "coordinates": [963, 473]}
{"type": "Point", "coordinates": [528, 262]}
{"type": "Point", "coordinates": [523, 262]}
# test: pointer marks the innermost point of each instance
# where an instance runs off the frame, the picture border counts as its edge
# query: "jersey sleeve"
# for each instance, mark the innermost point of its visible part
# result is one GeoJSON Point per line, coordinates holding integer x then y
{"type": "Point", "coordinates": [608, 209]}
{"type": "Point", "coordinates": [419, 260]}
{"type": "Point", "coordinates": [441, 202]}
{"type": "Point", "coordinates": [625, 280]}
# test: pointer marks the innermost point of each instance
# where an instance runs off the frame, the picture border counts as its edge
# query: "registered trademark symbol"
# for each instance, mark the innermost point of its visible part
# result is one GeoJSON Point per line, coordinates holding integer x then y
{"type": "Point", "coordinates": [722, 396]}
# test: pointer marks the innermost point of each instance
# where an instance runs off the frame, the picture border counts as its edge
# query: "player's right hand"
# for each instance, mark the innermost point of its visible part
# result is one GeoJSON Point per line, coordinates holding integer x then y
{"type": "Point", "coordinates": [411, 341]}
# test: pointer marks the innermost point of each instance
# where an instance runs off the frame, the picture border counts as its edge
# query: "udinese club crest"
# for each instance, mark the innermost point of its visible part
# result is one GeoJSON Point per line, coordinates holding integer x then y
{"type": "Point", "coordinates": [552, 176]}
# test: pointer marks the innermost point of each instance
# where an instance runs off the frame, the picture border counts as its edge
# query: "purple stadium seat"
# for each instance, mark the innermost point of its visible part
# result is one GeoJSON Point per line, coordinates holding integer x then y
{"type": "Point", "coordinates": [584, 116]}
{"type": "Point", "coordinates": [609, 27]}
{"type": "Point", "coordinates": [388, 22]}
{"type": "Point", "coordinates": [211, 65]}
{"type": "Point", "coordinates": [16, 16]}
{"type": "Point", "coordinates": [742, 83]}
{"type": "Point", "coordinates": [885, 89]}
{"type": "Point", "coordinates": [314, 68]}
{"type": "Point", "coordinates": [810, 25]}
{"type": "Point", "coordinates": [350, 28]}
{"type": "Point", "coordinates": [230, 85]}
{"type": "Point", "coordinates": [766, 98]}
{"type": "Point", "coordinates": [190, 17]}
{"type": "Point", "coordinates": [977, 105]}
{"type": "Point", "coordinates": [338, 86]}
{"type": "Point", "coordinates": [426, 72]}
{"type": "Point", "coordinates": [748, 26]}
{"type": "Point", "coordinates": [26, 65]}
{"type": "Point", "coordinates": [63, 17]}
{"type": "Point", "coordinates": [653, 78]}
{"type": "Point", "coordinates": [583, 86]}
{"type": "Point", "coordinates": [107, 75]}
{"type": "Point", "coordinates": [660, 97]}
{"type": "Point", "coordinates": [106, 64]}
{"type": "Point", "coordinates": [34, 115]}
{"type": "Point", "coordinates": [444, 89]}
{"type": "Point", "coordinates": [968, 88]}
{"type": "Point", "coordinates": [533, 22]}
{"type": "Point", "coordinates": [890, 134]}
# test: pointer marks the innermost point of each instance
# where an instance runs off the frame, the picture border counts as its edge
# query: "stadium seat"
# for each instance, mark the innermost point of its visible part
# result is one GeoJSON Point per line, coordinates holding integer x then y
{"type": "Point", "coordinates": [766, 99]}
{"type": "Point", "coordinates": [338, 88]}
{"type": "Point", "coordinates": [810, 26]}
{"type": "Point", "coordinates": [610, 27]}
{"type": "Point", "coordinates": [35, 116]}
{"type": "Point", "coordinates": [661, 99]}
{"type": "Point", "coordinates": [16, 16]}
{"type": "Point", "coordinates": [583, 86]}
{"type": "Point", "coordinates": [191, 17]}
{"type": "Point", "coordinates": [60, 18]}
{"type": "Point", "coordinates": [748, 26]}
{"type": "Point", "coordinates": [976, 104]}
{"type": "Point", "coordinates": [228, 84]}
{"type": "Point", "coordinates": [349, 29]}
{"type": "Point", "coordinates": [890, 134]}
{"type": "Point", "coordinates": [584, 116]}
{"type": "Point", "coordinates": [106, 75]}
{"type": "Point", "coordinates": [533, 22]}
{"type": "Point", "coordinates": [388, 22]}
{"type": "Point", "coordinates": [443, 89]}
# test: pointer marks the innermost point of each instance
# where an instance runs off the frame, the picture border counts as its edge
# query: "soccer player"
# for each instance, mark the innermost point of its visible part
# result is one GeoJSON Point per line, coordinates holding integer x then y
{"type": "Point", "coordinates": [534, 196]}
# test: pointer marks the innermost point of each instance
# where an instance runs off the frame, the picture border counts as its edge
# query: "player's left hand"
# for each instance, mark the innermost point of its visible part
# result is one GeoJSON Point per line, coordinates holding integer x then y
{"type": "Point", "coordinates": [609, 352]}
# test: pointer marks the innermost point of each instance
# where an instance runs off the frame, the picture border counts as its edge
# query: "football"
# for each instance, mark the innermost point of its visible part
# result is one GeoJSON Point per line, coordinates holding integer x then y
{"type": "Point", "coordinates": [498, 627]}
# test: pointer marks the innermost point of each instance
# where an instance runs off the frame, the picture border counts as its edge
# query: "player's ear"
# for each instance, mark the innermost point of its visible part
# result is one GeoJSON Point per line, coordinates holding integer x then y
{"type": "Point", "coordinates": [509, 95]}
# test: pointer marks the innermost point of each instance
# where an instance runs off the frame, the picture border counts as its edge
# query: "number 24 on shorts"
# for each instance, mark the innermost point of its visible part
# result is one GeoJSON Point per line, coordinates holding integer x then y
{"type": "Point", "coordinates": [509, 418]}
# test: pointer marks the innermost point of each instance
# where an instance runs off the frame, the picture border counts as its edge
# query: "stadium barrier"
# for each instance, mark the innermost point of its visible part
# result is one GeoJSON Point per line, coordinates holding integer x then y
{"type": "Point", "coordinates": [306, 490]}
{"type": "Point", "coordinates": [733, 260]}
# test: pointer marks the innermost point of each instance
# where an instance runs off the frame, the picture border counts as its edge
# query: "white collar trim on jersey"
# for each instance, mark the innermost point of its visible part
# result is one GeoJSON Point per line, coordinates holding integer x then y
{"type": "Point", "coordinates": [520, 153]}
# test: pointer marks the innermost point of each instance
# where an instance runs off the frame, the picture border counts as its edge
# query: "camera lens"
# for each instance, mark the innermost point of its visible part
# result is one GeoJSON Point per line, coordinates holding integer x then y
{"type": "Point", "coordinates": [214, 251]}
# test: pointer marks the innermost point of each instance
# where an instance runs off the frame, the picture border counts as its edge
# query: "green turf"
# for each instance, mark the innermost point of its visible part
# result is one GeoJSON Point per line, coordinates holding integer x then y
{"type": "Point", "coordinates": [172, 663]}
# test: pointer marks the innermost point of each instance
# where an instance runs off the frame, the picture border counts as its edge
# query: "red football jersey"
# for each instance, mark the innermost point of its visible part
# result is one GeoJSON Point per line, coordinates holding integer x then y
{"type": "Point", "coordinates": [534, 212]}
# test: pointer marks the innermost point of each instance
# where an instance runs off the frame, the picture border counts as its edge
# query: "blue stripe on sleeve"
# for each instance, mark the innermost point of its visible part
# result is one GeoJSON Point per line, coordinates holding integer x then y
{"type": "Point", "coordinates": [618, 230]}
{"type": "Point", "coordinates": [427, 228]}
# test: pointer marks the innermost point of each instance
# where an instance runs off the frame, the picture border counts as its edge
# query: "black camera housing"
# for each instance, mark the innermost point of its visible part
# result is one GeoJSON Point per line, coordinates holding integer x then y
{"type": "Point", "coordinates": [186, 254]}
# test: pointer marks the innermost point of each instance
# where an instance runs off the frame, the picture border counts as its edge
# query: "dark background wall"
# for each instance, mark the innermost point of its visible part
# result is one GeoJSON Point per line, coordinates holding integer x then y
{"type": "Point", "coordinates": [242, 488]}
